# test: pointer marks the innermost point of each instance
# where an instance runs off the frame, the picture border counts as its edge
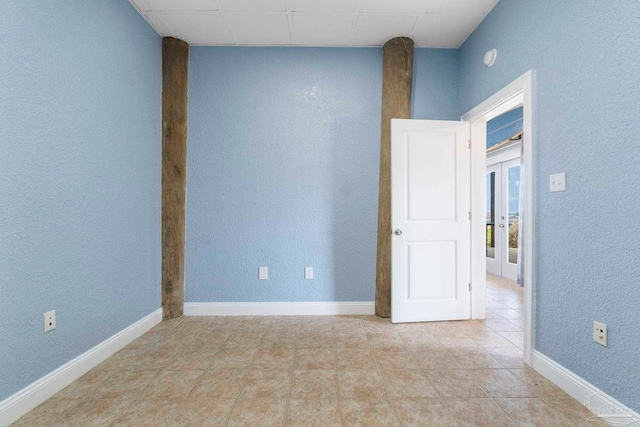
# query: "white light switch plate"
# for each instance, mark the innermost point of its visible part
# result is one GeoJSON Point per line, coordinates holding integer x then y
{"type": "Point", "coordinates": [600, 333]}
{"type": "Point", "coordinates": [308, 272]}
{"type": "Point", "coordinates": [263, 273]}
{"type": "Point", "coordinates": [557, 182]}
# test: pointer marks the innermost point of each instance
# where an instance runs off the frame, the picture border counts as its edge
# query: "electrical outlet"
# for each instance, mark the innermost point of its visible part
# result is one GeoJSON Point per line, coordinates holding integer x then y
{"type": "Point", "coordinates": [308, 272]}
{"type": "Point", "coordinates": [49, 320]}
{"type": "Point", "coordinates": [263, 273]}
{"type": "Point", "coordinates": [600, 333]}
{"type": "Point", "coordinates": [557, 182]}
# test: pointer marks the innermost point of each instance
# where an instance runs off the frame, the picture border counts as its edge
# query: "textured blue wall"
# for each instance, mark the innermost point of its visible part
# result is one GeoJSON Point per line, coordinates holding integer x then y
{"type": "Point", "coordinates": [504, 127]}
{"type": "Point", "coordinates": [283, 159]}
{"type": "Point", "coordinates": [435, 84]}
{"type": "Point", "coordinates": [79, 181]}
{"type": "Point", "coordinates": [587, 61]}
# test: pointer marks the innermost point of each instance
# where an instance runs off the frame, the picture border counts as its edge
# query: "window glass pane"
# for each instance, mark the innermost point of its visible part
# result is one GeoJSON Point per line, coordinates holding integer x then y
{"type": "Point", "coordinates": [514, 211]}
{"type": "Point", "coordinates": [491, 215]}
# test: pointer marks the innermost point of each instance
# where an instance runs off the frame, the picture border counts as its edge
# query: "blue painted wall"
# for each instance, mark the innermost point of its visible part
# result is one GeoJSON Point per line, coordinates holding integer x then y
{"type": "Point", "coordinates": [504, 127]}
{"type": "Point", "coordinates": [80, 179]}
{"type": "Point", "coordinates": [587, 239]}
{"type": "Point", "coordinates": [283, 159]}
{"type": "Point", "coordinates": [435, 84]}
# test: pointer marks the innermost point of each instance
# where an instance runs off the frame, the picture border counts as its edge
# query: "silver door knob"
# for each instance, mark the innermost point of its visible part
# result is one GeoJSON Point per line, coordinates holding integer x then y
{"type": "Point", "coordinates": [501, 226]}
{"type": "Point", "coordinates": [398, 232]}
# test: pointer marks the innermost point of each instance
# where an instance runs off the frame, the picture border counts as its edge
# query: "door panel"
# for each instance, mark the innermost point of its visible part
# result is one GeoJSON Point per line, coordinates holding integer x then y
{"type": "Point", "coordinates": [434, 262]}
{"type": "Point", "coordinates": [431, 177]}
{"type": "Point", "coordinates": [431, 199]}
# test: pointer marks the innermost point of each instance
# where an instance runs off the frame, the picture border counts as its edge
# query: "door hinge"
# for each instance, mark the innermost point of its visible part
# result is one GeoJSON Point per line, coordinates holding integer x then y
{"type": "Point", "coordinates": [469, 215]}
{"type": "Point", "coordinates": [469, 144]}
{"type": "Point", "coordinates": [469, 287]}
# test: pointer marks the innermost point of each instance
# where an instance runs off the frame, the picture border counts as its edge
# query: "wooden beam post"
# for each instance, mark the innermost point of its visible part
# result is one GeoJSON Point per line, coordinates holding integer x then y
{"type": "Point", "coordinates": [397, 75]}
{"type": "Point", "coordinates": [175, 60]}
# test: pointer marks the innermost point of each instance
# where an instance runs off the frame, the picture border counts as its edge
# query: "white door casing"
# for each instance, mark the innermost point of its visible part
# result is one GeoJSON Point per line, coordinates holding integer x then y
{"type": "Point", "coordinates": [430, 216]}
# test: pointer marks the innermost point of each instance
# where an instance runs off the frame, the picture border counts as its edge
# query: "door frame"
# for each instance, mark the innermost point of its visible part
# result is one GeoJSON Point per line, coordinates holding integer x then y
{"type": "Point", "coordinates": [519, 92]}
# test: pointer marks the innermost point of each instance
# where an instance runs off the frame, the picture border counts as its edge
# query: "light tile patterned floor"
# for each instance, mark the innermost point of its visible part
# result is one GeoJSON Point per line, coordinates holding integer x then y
{"type": "Point", "coordinates": [320, 371]}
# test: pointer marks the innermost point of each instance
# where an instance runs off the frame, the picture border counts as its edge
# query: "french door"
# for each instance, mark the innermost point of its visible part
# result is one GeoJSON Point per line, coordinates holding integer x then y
{"type": "Point", "coordinates": [502, 218]}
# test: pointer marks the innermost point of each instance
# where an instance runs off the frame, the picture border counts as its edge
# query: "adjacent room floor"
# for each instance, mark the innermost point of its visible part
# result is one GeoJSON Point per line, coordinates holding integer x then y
{"type": "Point", "coordinates": [320, 371]}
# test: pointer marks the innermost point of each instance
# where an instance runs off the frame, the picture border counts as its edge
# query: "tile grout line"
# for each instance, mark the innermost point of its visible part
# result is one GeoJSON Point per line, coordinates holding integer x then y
{"type": "Point", "coordinates": [386, 390]}
{"type": "Point", "coordinates": [292, 373]}
{"type": "Point", "coordinates": [335, 365]}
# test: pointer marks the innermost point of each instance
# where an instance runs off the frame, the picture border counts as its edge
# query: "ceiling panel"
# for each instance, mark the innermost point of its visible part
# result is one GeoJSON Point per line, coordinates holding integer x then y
{"type": "Point", "coordinates": [398, 7]}
{"type": "Point", "coordinates": [480, 6]}
{"type": "Point", "coordinates": [431, 23]}
{"type": "Point", "coordinates": [196, 28]}
{"type": "Point", "coordinates": [260, 29]}
{"type": "Point", "coordinates": [158, 24]}
{"type": "Point", "coordinates": [374, 30]}
{"type": "Point", "coordinates": [322, 6]}
{"type": "Point", "coordinates": [325, 30]}
{"type": "Point", "coordinates": [253, 6]}
{"type": "Point", "coordinates": [180, 6]}
{"type": "Point", "coordinates": [455, 29]}
{"type": "Point", "coordinates": [427, 31]}
{"type": "Point", "coordinates": [447, 6]}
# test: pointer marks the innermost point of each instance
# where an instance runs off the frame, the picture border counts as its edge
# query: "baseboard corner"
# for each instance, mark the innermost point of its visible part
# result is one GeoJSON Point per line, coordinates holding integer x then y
{"type": "Point", "coordinates": [603, 406]}
{"type": "Point", "coordinates": [23, 401]}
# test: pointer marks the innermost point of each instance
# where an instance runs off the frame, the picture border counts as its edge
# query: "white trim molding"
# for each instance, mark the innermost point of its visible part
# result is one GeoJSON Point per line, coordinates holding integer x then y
{"type": "Point", "coordinates": [28, 398]}
{"type": "Point", "coordinates": [278, 308]}
{"type": "Point", "coordinates": [504, 154]}
{"type": "Point", "coordinates": [604, 407]}
{"type": "Point", "coordinates": [519, 92]}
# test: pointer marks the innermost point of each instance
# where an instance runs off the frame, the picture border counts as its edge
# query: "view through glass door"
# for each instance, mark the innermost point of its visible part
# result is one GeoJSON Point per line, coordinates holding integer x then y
{"type": "Point", "coordinates": [502, 218]}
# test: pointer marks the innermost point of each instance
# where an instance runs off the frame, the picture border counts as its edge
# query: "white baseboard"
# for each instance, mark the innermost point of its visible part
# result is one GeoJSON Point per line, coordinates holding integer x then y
{"type": "Point", "coordinates": [23, 401]}
{"type": "Point", "coordinates": [606, 407]}
{"type": "Point", "coordinates": [278, 308]}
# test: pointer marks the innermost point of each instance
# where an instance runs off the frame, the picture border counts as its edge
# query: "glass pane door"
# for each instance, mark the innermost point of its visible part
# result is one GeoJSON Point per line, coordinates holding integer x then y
{"type": "Point", "coordinates": [510, 218]}
{"type": "Point", "coordinates": [513, 177]}
{"type": "Point", "coordinates": [492, 216]}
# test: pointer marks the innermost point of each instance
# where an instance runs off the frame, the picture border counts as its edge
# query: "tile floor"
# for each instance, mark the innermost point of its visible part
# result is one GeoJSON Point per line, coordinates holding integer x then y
{"type": "Point", "coordinates": [319, 371]}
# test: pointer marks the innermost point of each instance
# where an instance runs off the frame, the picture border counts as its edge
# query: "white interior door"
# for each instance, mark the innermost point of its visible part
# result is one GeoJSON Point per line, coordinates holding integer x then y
{"type": "Point", "coordinates": [510, 218]}
{"type": "Point", "coordinates": [493, 219]}
{"type": "Point", "coordinates": [430, 216]}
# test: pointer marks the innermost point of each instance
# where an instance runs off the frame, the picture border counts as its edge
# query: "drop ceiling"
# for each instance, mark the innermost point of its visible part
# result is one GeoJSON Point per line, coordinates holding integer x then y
{"type": "Point", "coordinates": [430, 23]}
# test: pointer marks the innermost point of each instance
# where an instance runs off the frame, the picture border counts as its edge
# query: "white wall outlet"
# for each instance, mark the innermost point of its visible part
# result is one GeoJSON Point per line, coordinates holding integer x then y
{"type": "Point", "coordinates": [557, 182]}
{"type": "Point", "coordinates": [600, 333]}
{"type": "Point", "coordinates": [308, 272]}
{"type": "Point", "coordinates": [49, 320]}
{"type": "Point", "coordinates": [263, 273]}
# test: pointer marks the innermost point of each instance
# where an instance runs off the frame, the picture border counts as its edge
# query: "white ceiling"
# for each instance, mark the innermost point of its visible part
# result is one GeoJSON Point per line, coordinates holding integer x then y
{"type": "Point", "coordinates": [430, 23]}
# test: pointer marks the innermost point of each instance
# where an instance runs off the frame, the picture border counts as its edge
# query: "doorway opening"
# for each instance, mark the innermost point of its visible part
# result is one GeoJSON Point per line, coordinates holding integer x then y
{"type": "Point", "coordinates": [503, 201]}
{"type": "Point", "coordinates": [499, 297]}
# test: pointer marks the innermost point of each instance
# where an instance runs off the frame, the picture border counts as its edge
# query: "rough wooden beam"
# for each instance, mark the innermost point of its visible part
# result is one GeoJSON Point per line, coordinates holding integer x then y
{"type": "Point", "coordinates": [175, 60]}
{"type": "Point", "coordinates": [397, 75]}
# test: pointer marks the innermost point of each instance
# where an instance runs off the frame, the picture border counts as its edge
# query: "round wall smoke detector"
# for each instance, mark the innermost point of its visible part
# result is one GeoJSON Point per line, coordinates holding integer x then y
{"type": "Point", "coordinates": [490, 57]}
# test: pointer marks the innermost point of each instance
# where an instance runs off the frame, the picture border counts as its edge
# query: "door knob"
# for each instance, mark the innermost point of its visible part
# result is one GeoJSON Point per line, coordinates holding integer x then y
{"type": "Point", "coordinates": [501, 226]}
{"type": "Point", "coordinates": [398, 232]}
